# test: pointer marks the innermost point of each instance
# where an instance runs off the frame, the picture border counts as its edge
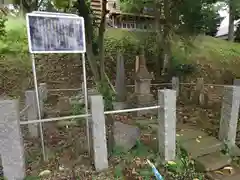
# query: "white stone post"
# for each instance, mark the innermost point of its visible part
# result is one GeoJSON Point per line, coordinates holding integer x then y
{"type": "Point", "coordinates": [229, 114]}
{"type": "Point", "coordinates": [98, 133]}
{"type": "Point", "coordinates": [11, 143]}
{"type": "Point", "coordinates": [167, 124]}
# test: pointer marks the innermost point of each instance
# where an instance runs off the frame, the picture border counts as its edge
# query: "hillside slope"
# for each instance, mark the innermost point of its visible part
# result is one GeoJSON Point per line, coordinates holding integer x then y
{"type": "Point", "coordinates": [214, 57]}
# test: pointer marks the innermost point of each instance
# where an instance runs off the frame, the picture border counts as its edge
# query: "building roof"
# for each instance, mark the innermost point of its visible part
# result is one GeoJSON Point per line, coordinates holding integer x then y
{"type": "Point", "coordinates": [223, 31]}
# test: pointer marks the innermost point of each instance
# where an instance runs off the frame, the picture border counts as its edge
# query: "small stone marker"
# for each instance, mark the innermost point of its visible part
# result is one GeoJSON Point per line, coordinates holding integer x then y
{"type": "Point", "coordinates": [125, 136]}
{"type": "Point", "coordinates": [64, 106]}
{"type": "Point", "coordinates": [175, 85]}
{"type": "Point", "coordinates": [43, 93]}
{"type": "Point", "coordinates": [99, 133]}
{"type": "Point", "coordinates": [32, 112]}
{"type": "Point", "coordinates": [167, 124]}
{"type": "Point", "coordinates": [199, 89]}
{"type": "Point", "coordinates": [229, 114]}
{"type": "Point", "coordinates": [11, 144]}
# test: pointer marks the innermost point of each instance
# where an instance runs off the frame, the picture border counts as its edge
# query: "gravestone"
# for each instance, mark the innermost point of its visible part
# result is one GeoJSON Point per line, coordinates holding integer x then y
{"type": "Point", "coordinates": [32, 112]}
{"type": "Point", "coordinates": [98, 133]}
{"type": "Point", "coordinates": [135, 71]}
{"type": "Point", "coordinates": [142, 96]}
{"type": "Point", "coordinates": [11, 144]}
{"type": "Point", "coordinates": [229, 114]}
{"type": "Point", "coordinates": [121, 90]}
{"type": "Point", "coordinates": [167, 124]}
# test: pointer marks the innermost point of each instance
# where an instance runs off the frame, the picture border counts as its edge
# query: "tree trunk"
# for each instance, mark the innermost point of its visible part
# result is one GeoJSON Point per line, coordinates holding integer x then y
{"type": "Point", "coordinates": [166, 40]}
{"type": "Point", "coordinates": [158, 30]}
{"type": "Point", "coordinates": [231, 21]}
{"type": "Point", "coordinates": [101, 32]}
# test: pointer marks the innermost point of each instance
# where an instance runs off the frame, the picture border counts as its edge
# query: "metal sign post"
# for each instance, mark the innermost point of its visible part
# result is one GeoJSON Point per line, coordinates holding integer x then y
{"type": "Point", "coordinates": [56, 33]}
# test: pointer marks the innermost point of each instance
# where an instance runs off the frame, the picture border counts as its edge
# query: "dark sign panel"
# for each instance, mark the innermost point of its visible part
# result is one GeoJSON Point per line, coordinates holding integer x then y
{"type": "Point", "coordinates": [55, 33]}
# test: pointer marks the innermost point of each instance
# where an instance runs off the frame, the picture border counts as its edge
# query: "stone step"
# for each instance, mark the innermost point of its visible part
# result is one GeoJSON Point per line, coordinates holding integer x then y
{"type": "Point", "coordinates": [189, 134]}
{"type": "Point", "coordinates": [211, 162]}
{"type": "Point", "coordinates": [225, 176]}
{"type": "Point", "coordinates": [199, 147]}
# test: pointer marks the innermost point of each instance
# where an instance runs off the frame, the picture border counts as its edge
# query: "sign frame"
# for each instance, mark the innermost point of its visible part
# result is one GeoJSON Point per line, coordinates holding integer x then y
{"type": "Point", "coordinates": [55, 15]}
{"type": "Point", "coordinates": [82, 52]}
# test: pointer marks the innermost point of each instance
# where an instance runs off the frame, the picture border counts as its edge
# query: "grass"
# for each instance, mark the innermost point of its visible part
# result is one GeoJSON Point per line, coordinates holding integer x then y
{"type": "Point", "coordinates": [15, 64]}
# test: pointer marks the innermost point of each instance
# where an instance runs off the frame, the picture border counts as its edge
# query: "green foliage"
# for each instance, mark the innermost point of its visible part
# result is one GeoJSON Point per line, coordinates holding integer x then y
{"type": "Point", "coordinates": [182, 168]}
{"type": "Point", "coordinates": [108, 95]}
{"type": "Point", "coordinates": [2, 26]}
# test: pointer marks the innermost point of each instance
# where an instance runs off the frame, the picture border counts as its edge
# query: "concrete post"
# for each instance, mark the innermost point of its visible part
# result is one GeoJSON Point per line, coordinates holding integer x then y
{"type": "Point", "coordinates": [32, 112]}
{"type": "Point", "coordinates": [175, 85]}
{"type": "Point", "coordinates": [229, 114]}
{"type": "Point", "coordinates": [11, 143]}
{"type": "Point", "coordinates": [167, 124]}
{"type": "Point", "coordinates": [99, 133]}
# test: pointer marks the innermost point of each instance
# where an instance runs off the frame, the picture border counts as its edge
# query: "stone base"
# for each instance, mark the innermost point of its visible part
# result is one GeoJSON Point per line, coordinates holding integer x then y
{"type": "Point", "coordinates": [140, 101]}
{"type": "Point", "coordinates": [119, 105]}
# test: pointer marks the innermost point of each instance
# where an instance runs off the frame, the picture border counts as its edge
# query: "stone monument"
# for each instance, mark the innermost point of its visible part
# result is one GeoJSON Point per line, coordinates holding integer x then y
{"type": "Point", "coordinates": [121, 90]}
{"type": "Point", "coordinates": [142, 96]}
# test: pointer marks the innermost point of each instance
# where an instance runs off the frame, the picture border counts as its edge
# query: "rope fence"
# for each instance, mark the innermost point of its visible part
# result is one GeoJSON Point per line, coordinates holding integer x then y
{"type": "Point", "coordinates": [87, 115]}
{"type": "Point", "coordinates": [160, 84]}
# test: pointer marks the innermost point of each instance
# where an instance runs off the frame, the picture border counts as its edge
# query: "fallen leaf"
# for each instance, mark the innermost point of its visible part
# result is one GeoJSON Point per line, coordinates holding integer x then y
{"type": "Point", "coordinates": [219, 172]}
{"type": "Point", "coordinates": [45, 173]}
{"type": "Point", "coordinates": [171, 163]}
{"type": "Point", "coordinates": [230, 169]}
{"type": "Point", "coordinates": [198, 140]}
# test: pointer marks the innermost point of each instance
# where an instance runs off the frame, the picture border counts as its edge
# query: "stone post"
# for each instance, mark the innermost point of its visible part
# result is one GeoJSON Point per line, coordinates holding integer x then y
{"type": "Point", "coordinates": [11, 143]}
{"type": "Point", "coordinates": [236, 82]}
{"type": "Point", "coordinates": [43, 92]}
{"type": "Point", "coordinates": [199, 90]}
{"type": "Point", "coordinates": [120, 83]}
{"type": "Point", "coordinates": [229, 114]}
{"type": "Point", "coordinates": [98, 128]}
{"type": "Point", "coordinates": [42, 96]}
{"type": "Point", "coordinates": [167, 124]}
{"type": "Point", "coordinates": [175, 85]}
{"type": "Point", "coordinates": [31, 112]}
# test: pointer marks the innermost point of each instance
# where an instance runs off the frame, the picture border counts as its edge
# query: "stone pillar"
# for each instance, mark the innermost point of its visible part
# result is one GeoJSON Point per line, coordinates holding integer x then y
{"type": "Point", "coordinates": [32, 112]}
{"type": "Point", "coordinates": [136, 70]}
{"type": "Point", "coordinates": [42, 96]}
{"type": "Point", "coordinates": [175, 85]}
{"type": "Point", "coordinates": [11, 143]}
{"type": "Point", "coordinates": [229, 114]}
{"type": "Point", "coordinates": [167, 124]}
{"type": "Point", "coordinates": [99, 133]}
{"type": "Point", "coordinates": [121, 90]}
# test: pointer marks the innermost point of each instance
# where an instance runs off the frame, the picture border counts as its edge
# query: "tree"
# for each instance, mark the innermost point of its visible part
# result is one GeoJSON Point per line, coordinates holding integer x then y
{"type": "Point", "coordinates": [234, 9]}
{"type": "Point", "coordinates": [182, 17]}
